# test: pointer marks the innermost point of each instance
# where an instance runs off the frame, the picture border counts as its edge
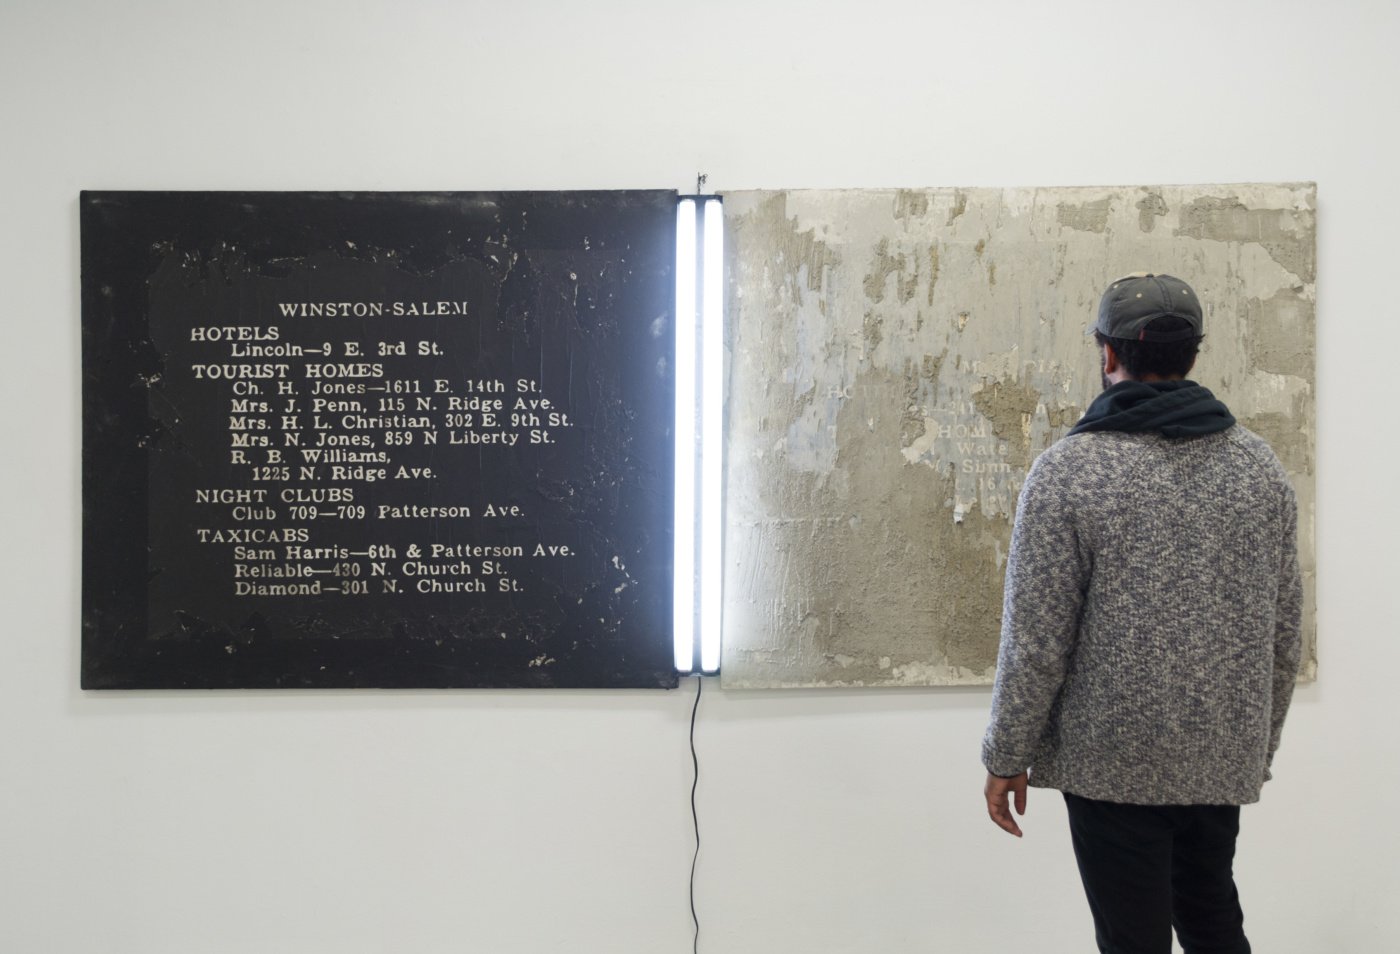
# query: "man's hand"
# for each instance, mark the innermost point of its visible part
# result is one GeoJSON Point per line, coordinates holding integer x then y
{"type": "Point", "coordinates": [998, 804]}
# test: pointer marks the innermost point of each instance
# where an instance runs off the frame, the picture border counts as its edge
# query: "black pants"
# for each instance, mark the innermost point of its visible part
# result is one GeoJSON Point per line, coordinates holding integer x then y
{"type": "Point", "coordinates": [1149, 868]}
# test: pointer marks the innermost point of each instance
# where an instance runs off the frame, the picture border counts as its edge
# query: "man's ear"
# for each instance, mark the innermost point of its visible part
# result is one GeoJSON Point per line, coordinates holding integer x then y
{"type": "Point", "coordinates": [1110, 359]}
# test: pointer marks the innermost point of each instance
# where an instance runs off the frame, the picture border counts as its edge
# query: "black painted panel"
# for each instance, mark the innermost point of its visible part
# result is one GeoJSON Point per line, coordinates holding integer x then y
{"type": "Point", "coordinates": [264, 376]}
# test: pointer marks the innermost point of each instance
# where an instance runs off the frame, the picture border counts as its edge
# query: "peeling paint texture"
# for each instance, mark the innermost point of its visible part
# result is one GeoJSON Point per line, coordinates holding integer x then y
{"type": "Point", "coordinates": [897, 360]}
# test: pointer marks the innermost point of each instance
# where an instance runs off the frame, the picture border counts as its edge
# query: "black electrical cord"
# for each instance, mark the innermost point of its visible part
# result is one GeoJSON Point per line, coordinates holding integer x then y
{"type": "Point", "coordinates": [694, 815]}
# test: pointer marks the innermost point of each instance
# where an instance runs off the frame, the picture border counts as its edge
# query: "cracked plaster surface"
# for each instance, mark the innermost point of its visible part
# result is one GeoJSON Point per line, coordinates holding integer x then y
{"type": "Point", "coordinates": [899, 357]}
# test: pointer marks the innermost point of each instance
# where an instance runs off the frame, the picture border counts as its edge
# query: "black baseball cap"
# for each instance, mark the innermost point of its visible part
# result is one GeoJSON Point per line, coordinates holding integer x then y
{"type": "Point", "coordinates": [1135, 301]}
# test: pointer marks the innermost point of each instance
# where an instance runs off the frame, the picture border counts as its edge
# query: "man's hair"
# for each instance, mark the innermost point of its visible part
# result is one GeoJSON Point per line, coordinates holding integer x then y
{"type": "Point", "coordinates": [1167, 359]}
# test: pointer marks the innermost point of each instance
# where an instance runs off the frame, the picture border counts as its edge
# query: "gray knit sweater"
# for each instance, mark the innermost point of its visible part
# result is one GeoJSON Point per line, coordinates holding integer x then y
{"type": "Point", "coordinates": [1150, 632]}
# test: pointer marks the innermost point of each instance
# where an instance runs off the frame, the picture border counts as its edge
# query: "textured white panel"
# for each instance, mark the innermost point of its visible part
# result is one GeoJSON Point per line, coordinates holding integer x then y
{"type": "Point", "coordinates": [900, 357]}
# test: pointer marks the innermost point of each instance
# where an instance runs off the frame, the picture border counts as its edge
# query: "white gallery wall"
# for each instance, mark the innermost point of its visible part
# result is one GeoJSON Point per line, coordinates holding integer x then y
{"type": "Point", "coordinates": [511, 821]}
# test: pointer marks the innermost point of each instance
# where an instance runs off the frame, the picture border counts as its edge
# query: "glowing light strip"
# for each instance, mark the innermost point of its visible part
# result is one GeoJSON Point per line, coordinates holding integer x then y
{"type": "Point", "coordinates": [683, 629]}
{"type": "Point", "coordinates": [712, 437]}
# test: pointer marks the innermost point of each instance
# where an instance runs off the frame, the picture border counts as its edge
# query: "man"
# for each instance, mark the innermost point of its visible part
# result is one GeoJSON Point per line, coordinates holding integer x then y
{"type": "Point", "coordinates": [1150, 633]}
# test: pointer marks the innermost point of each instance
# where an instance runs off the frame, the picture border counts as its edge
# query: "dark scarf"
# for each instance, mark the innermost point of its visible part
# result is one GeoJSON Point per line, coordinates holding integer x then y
{"type": "Point", "coordinates": [1172, 408]}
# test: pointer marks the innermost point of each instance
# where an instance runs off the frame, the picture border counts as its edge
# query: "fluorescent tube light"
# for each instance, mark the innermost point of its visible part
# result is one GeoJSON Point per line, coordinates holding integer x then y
{"type": "Point", "coordinates": [712, 436]}
{"type": "Point", "coordinates": [683, 629]}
